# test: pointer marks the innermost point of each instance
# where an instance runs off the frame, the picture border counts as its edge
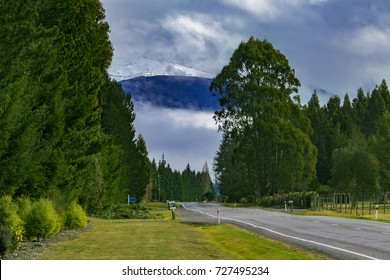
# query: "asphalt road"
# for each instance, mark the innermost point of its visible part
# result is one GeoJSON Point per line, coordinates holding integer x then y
{"type": "Point", "coordinates": [341, 238]}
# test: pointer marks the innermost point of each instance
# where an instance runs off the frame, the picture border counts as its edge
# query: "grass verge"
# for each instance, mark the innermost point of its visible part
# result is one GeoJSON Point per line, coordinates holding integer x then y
{"type": "Point", "coordinates": [171, 240]}
{"type": "Point", "coordinates": [381, 217]}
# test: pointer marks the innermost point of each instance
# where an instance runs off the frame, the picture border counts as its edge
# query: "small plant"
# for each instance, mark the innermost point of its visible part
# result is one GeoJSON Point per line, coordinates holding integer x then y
{"type": "Point", "coordinates": [10, 219]}
{"type": "Point", "coordinates": [75, 216]}
{"type": "Point", "coordinates": [43, 220]}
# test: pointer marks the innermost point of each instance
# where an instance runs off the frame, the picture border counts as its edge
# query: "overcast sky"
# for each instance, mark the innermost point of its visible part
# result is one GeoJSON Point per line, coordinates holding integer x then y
{"type": "Point", "coordinates": [335, 46]}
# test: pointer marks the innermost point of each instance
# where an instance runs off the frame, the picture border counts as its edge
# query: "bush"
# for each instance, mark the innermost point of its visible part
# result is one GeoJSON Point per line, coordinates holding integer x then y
{"type": "Point", "coordinates": [5, 240]}
{"type": "Point", "coordinates": [24, 207]}
{"type": "Point", "coordinates": [10, 219]}
{"type": "Point", "coordinates": [43, 220]}
{"type": "Point", "coordinates": [75, 216]}
{"type": "Point", "coordinates": [124, 211]}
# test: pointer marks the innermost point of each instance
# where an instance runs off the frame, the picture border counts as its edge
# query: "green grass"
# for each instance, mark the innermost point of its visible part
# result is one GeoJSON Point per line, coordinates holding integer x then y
{"type": "Point", "coordinates": [381, 217]}
{"type": "Point", "coordinates": [167, 240]}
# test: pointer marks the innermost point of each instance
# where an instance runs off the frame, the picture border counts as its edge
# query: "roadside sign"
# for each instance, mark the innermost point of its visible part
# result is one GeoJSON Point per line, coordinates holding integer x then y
{"type": "Point", "coordinates": [131, 199]}
{"type": "Point", "coordinates": [171, 205]}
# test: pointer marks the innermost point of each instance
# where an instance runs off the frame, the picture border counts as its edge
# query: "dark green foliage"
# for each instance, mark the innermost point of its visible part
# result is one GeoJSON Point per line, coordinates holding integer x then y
{"type": "Point", "coordinates": [24, 207]}
{"type": "Point", "coordinates": [187, 185]}
{"type": "Point", "coordinates": [75, 216]}
{"type": "Point", "coordinates": [65, 128]}
{"type": "Point", "coordinates": [267, 145]}
{"type": "Point", "coordinates": [299, 200]}
{"type": "Point", "coordinates": [124, 158]}
{"type": "Point", "coordinates": [125, 211]}
{"type": "Point", "coordinates": [262, 118]}
{"type": "Point", "coordinates": [43, 220]}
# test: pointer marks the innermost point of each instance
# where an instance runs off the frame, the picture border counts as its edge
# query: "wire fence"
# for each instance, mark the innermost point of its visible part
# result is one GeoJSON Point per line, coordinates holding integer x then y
{"type": "Point", "coordinates": [359, 204]}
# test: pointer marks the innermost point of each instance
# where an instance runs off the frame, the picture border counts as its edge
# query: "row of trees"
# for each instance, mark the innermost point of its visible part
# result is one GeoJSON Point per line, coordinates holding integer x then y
{"type": "Point", "coordinates": [66, 130]}
{"type": "Point", "coordinates": [188, 185]}
{"type": "Point", "coordinates": [273, 144]}
{"type": "Point", "coordinates": [353, 139]}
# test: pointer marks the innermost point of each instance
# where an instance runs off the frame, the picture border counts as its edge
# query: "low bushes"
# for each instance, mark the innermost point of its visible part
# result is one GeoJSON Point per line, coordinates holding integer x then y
{"type": "Point", "coordinates": [38, 219]}
{"type": "Point", "coordinates": [43, 220]}
{"type": "Point", "coordinates": [75, 216]}
{"type": "Point", "coordinates": [300, 200]}
{"type": "Point", "coordinates": [125, 211]}
{"type": "Point", "coordinates": [34, 220]}
{"type": "Point", "coordinates": [10, 222]}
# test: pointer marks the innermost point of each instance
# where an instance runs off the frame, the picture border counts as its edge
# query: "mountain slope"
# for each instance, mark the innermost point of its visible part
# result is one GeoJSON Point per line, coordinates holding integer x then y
{"type": "Point", "coordinates": [172, 91]}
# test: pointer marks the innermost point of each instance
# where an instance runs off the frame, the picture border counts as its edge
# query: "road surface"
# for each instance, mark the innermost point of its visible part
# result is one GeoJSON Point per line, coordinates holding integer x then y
{"type": "Point", "coordinates": [341, 238]}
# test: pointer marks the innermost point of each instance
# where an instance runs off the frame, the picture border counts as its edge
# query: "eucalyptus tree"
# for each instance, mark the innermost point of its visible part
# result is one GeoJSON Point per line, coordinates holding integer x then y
{"type": "Point", "coordinates": [261, 110]}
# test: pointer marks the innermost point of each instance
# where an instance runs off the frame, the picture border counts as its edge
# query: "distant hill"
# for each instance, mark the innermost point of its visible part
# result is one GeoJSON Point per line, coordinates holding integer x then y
{"type": "Point", "coordinates": [172, 91]}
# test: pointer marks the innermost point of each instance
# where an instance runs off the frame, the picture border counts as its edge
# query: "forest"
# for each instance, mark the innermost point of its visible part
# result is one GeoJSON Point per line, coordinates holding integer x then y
{"type": "Point", "coordinates": [272, 144]}
{"type": "Point", "coordinates": [66, 128]}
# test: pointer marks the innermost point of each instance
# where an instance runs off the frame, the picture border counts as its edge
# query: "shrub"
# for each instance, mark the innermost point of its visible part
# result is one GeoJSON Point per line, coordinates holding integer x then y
{"type": "Point", "coordinates": [5, 240]}
{"type": "Point", "coordinates": [24, 207]}
{"type": "Point", "coordinates": [124, 211]}
{"type": "Point", "coordinates": [75, 216]}
{"type": "Point", "coordinates": [10, 219]}
{"type": "Point", "coordinates": [43, 220]}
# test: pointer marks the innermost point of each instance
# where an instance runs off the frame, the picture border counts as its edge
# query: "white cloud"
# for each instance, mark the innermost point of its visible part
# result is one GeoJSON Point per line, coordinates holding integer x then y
{"type": "Point", "coordinates": [270, 10]}
{"type": "Point", "coordinates": [184, 136]}
{"type": "Point", "coordinates": [201, 40]}
{"type": "Point", "coordinates": [369, 40]}
{"type": "Point", "coordinates": [266, 9]}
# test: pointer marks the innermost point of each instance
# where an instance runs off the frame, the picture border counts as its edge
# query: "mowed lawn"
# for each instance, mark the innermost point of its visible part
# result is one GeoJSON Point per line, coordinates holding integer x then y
{"type": "Point", "coordinates": [171, 240]}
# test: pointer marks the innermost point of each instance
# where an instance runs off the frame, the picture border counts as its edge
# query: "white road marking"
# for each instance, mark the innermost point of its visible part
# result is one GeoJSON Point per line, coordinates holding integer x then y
{"type": "Point", "coordinates": [356, 228]}
{"type": "Point", "coordinates": [289, 236]}
{"type": "Point", "coordinates": [316, 221]}
{"type": "Point", "coordinates": [336, 225]}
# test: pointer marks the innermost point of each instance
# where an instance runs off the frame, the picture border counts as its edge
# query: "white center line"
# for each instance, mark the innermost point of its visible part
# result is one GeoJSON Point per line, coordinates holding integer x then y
{"type": "Point", "coordinates": [357, 228]}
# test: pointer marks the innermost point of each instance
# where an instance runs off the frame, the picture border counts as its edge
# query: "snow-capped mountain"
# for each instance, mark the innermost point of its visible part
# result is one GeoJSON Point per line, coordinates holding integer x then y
{"type": "Point", "coordinates": [180, 92]}
{"type": "Point", "coordinates": [144, 66]}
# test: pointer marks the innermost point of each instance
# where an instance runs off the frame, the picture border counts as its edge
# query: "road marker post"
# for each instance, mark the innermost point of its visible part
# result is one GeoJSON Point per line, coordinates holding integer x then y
{"type": "Point", "coordinates": [218, 216]}
{"type": "Point", "coordinates": [376, 211]}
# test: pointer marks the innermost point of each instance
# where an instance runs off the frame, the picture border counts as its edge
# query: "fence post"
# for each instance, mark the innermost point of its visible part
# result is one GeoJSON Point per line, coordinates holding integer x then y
{"type": "Point", "coordinates": [369, 207]}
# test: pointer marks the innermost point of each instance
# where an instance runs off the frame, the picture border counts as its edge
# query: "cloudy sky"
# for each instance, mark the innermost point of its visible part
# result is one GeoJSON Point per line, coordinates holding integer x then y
{"type": "Point", "coordinates": [335, 47]}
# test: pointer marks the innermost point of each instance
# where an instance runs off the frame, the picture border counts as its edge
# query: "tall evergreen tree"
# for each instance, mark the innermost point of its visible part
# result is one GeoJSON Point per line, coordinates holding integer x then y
{"type": "Point", "coordinates": [257, 93]}
{"type": "Point", "coordinates": [321, 138]}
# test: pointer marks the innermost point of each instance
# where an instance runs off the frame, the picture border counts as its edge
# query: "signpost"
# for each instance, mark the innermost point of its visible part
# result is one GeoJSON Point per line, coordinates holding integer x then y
{"type": "Point", "coordinates": [172, 207]}
{"type": "Point", "coordinates": [131, 199]}
{"type": "Point", "coordinates": [291, 202]}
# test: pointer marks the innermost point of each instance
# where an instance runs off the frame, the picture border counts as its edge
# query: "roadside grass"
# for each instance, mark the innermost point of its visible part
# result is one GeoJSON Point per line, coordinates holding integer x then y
{"type": "Point", "coordinates": [381, 217]}
{"type": "Point", "coordinates": [245, 245]}
{"type": "Point", "coordinates": [366, 215]}
{"type": "Point", "coordinates": [166, 239]}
